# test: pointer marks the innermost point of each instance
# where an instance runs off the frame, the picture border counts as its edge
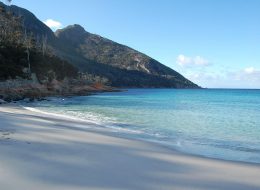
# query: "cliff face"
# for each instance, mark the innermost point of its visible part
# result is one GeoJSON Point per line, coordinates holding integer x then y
{"type": "Point", "coordinates": [125, 67]}
{"type": "Point", "coordinates": [95, 55]}
{"type": "Point", "coordinates": [102, 50]}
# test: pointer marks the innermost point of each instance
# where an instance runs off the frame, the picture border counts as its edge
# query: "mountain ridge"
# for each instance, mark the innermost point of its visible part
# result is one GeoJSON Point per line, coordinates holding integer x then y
{"type": "Point", "coordinates": [93, 54]}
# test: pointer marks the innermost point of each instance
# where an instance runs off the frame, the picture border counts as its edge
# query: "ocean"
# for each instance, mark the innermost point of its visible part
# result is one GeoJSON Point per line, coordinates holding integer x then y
{"type": "Point", "coordinates": [215, 123]}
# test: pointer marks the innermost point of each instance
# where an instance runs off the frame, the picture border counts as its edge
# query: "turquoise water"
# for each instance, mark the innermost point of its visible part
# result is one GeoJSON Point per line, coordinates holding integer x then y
{"type": "Point", "coordinates": [214, 123]}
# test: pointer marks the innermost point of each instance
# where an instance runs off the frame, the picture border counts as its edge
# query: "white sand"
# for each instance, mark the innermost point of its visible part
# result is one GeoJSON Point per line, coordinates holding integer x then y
{"type": "Point", "coordinates": [43, 152]}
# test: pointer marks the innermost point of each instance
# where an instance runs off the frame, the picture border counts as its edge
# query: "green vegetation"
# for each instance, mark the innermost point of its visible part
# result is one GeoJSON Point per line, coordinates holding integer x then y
{"type": "Point", "coordinates": [21, 54]}
{"type": "Point", "coordinates": [61, 54]}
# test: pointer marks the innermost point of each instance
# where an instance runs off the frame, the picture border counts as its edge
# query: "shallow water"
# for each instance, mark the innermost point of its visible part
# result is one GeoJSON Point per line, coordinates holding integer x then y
{"type": "Point", "coordinates": [214, 123]}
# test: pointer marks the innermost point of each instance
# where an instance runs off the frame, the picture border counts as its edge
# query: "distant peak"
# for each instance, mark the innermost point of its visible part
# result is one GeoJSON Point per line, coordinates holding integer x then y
{"type": "Point", "coordinates": [75, 28]}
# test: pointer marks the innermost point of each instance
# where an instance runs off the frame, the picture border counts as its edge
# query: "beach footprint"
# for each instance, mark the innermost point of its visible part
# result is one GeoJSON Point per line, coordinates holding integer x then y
{"type": "Point", "coordinates": [5, 135]}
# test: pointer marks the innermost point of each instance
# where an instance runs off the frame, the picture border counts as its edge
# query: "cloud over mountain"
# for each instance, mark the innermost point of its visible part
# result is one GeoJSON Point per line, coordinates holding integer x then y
{"type": "Point", "coordinates": [54, 25]}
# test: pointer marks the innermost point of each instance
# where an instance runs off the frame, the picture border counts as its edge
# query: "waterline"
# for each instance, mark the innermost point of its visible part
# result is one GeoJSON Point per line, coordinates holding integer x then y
{"type": "Point", "coordinates": [214, 123]}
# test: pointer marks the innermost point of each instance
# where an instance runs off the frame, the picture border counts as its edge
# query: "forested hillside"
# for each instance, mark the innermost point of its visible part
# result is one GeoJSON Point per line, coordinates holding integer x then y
{"type": "Point", "coordinates": [73, 49]}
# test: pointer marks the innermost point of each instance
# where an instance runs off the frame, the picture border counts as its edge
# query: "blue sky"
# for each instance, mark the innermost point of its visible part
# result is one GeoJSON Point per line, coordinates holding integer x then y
{"type": "Point", "coordinates": [213, 43]}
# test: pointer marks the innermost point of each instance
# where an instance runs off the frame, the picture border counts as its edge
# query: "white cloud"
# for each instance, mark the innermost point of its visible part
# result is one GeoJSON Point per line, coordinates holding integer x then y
{"type": "Point", "coordinates": [247, 74]}
{"type": "Point", "coordinates": [54, 25]}
{"type": "Point", "coordinates": [248, 77]}
{"type": "Point", "coordinates": [250, 70]}
{"type": "Point", "coordinates": [183, 61]}
{"type": "Point", "coordinates": [250, 74]}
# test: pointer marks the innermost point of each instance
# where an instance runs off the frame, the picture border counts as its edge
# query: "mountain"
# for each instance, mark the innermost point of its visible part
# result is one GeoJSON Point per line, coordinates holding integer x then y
{"type": "Point", "coordinates": [102, 50]}
{"type": "Point", "coordinates": [125, 67]}
{"type": "Point", "coordinates": [95, 55]}
{"type": "Point", "coordinates": [13, 50]}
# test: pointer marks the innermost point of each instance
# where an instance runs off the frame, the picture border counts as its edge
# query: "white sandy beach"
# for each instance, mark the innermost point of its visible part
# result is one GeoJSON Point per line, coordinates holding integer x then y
{"type": "Point", "coordinates": [40, 151]}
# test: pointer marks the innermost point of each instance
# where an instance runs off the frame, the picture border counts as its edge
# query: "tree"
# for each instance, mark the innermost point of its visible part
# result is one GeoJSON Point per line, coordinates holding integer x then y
{"type": "Point", "coordinates": [28, 44]}
{"type": "Point", "coordinates": [44, 44]}
{"type": "Point", "coordinates": [10, 28]}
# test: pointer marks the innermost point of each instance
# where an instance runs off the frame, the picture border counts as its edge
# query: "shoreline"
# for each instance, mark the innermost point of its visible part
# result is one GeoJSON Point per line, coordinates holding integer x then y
{"type": "Point", "coordinates": [129, 134]}
{"type": "Point", "coordinates": [17, 90]}
{"type": "Point", "coordinates": [96, 159]}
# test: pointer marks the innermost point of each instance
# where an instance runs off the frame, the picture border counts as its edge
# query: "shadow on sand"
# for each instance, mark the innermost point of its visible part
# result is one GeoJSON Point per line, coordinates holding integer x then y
{"type": "Point", "coordinates": [70, 157]}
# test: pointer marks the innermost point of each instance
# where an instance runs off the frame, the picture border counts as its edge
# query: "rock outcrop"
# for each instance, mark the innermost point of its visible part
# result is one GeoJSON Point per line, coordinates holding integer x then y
{"type": "Point", "coordinates": [15, 90]}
